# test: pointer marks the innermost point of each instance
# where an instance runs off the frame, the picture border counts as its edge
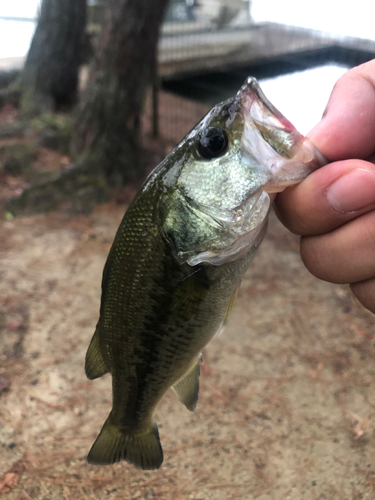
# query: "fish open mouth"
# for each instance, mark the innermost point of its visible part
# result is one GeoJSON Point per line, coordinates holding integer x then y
{"type": "Point", "coordinates": [274, 142]}
{"type": "Point", "coordinates": [261, 111]}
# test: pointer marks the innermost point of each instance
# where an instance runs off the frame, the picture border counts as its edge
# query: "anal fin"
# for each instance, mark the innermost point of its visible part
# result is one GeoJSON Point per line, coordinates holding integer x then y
{"type": "Point", "coordinates": [94, 363]}
{"type": "Point", "coordinates": [187, 388]}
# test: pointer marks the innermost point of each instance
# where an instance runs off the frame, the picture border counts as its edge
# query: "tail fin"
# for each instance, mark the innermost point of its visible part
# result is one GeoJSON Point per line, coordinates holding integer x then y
{"type": "Point", "coordinates": [140, 448]}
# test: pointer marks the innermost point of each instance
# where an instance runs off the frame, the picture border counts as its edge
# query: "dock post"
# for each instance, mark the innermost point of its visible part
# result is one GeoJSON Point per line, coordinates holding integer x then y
{"type": "Point", "coordinates": [155, 98]}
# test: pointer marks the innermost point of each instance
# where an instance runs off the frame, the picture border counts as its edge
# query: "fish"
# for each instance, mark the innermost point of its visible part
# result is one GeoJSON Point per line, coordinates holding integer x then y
{"type": "Point", "coordinates": [177, 261]}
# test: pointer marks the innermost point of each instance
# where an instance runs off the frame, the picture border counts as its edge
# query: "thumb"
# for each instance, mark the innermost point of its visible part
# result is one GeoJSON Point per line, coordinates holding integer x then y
{"type": "Point", "coordinates": [347, 129]}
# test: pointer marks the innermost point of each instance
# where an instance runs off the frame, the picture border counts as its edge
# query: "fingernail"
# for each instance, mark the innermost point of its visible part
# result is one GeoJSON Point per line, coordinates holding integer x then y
{"type": "Point", "coordinates": [353, 191]}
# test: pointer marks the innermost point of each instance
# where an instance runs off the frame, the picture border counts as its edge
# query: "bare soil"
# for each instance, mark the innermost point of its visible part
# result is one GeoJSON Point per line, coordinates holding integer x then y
{"type": "Point", "coordinates": [286, 407]}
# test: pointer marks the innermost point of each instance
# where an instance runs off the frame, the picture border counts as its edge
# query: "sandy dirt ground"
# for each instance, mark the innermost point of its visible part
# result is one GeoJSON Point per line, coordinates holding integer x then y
{"type": "Point", "coordinates": [286, 407]}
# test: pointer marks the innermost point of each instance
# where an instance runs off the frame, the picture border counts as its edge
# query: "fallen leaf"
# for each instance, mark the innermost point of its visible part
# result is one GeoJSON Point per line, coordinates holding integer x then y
{"type": "Point", "coordinates": [11, 477]}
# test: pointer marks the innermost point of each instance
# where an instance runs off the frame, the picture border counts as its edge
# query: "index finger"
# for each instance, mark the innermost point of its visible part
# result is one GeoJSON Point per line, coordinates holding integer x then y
{"type": "Point", "coordinates": [347, 129]}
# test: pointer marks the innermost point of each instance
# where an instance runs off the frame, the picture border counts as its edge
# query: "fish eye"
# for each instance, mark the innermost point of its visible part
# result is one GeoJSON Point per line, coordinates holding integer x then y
{"type": "Point", "coordinates": [213, 142]}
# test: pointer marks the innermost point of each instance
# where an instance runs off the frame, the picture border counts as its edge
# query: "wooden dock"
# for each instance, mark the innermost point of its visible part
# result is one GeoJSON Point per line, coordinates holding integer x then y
{"type": "Point", "coordinates": [197, 52]}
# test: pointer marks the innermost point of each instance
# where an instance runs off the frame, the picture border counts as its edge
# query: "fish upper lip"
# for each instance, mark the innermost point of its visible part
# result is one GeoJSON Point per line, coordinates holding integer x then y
{"type": "Point", "coordinates": [258, 108]}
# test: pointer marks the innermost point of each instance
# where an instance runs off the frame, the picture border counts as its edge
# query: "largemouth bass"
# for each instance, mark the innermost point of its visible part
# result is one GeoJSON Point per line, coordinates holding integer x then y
{"type": "Point", "coordinates": [178, 257]}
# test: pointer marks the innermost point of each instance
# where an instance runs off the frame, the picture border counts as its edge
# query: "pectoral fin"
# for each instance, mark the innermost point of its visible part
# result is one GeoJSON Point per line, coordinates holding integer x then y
{"type": "Point", "coordinates": [187, 388]}
{"type": "Point", "coordinates": [231, 303]}
{"type": "Point", "coordinates": [94, 363]}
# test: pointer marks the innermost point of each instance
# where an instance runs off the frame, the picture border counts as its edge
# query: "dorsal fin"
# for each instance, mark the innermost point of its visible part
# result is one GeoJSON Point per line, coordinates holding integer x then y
{"type": "Point", "coordinates": [187, 388]}
{"type": "Point", "coordinates": [94, 363]}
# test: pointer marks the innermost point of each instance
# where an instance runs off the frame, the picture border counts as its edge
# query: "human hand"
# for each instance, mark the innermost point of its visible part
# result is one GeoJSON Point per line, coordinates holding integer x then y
{"type": "Point", "coordinates": [333, 209]}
